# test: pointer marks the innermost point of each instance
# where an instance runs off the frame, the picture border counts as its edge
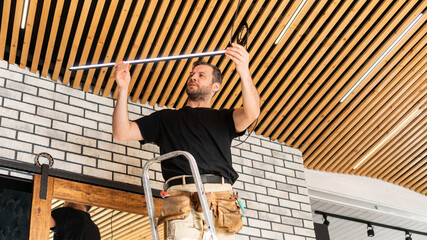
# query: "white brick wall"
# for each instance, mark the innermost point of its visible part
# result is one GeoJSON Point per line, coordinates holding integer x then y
{"type": "Point", "coordinates": [39, 115]}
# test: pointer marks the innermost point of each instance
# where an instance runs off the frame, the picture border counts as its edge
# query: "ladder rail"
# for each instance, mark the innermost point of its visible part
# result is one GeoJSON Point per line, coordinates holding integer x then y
{"type": "Point", "coordinates": [199, 186]}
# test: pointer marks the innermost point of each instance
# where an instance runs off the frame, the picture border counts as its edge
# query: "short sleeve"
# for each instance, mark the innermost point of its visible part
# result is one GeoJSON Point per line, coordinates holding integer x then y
{"type": "Point", "coordinates": [150, 127]}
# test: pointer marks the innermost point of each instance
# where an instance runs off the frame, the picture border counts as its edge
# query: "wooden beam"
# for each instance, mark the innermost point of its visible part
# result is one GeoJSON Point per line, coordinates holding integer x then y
{"type": "Point", "coordinates": [40, 210]}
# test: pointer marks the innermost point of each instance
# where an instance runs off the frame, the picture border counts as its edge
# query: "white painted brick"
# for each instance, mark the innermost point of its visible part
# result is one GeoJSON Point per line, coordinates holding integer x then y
{"type": "Point", "coordinates": [55, 115]}
{"type": "Point", "coordinates": [276, 177]}
{"type": "Point", "coordinates": [133, 116]}
{"type": "Point", "coordinates": [48, 132]}
{"type": "Point", "coordinates": [246, 178]}
{"type": "Point", "coordinates": [293, 237]}
{"type": "Point", "coordinates": [126, 160]}
{"type": "Point", "coordinates": [67, 166]}
{"type": "Point", "coordinates": [135, 171]}
{"type": "Point", "coordinates": [67, 127]}
{"type": "Point", "coordinates": [271, 235]}
{"type": "Point", "coordinates": [282, 155]}
{"type": "Point", "coordinates": [287, 187]}
{"type": "Point", "coordinates": [3, 64]}
{"type": "Point", "coordinates": [300, 174]}
{"type": "Point", "coordinates": [22, 107]}
{"type": "Point", "coordinates": [6, 112]}
{"type": "Point", "coordinates": [265, 182]}
{"type": "Point", "coordinates": [32, 138]}
{"type": "Point", "coordinates": [289, 204]}
{"type": "Point", "coordinates": [298, 159]}
{"type": "Point", "coordinates": [70, 91]}
{"type": "Point", "coordinates": [146, 112]}
{"type": "Point", "coordinates": [126, 179]}
{"type": "Point", "coordinates": [99, 99]}
{"type": "Point", "coordinates": [115, 167]}
{"type": "Point", "coordinates": [4, 172]}
{"type": "Point", "coordinates": [299, 198]}
{"type": "Point", "coordinates": [18, 125]}
{"type": "Point", "coordinates": [241, 237]}
{"type": "Point", "coordinates": [11, 75]}
{"type": "Point", "coordinates": [296, 181]}
{"type": "Point", "coordinates": [281, 211]}
{"type": "Point", "coordinates": [34, 119]}
{"type": "Point", "coordinates": [154, 167]}
{"type": "Point", "coordinates": [268, 199]}
{"type": "Point", "coordinates": [304, 232]}
{"type": "Point", "coordinates": [99, 117]}
{"type": "Point", "coordinates": [273, 161]}
{"type": "Point", "coordinates": [140, 153]}
{"type": "Point", "coordinates": [134, 109]}
{"type": "Point", "coordinates": [76, 148]}
{"type": "Point", "coordinates": [68, 109]}
{"type": "Point", "coordinates": [284, 171]}
{"type": "Point", "coordinates": [257, 206]}
{"type": "Point", "coordinates": [303, 190]}
{"type": "Point", "coordinates": [250, 231]}
{"type": "Point", "coordinates": [97, 134]}
{"type": "Point", "coordinates": [57, 97]}
{"type": "Point", "coordinates": [259, 223]}
{"type": "Point", "coordinates": [246, 196]}
{"type": "Point", "coordinates": [37, 82]}
{"type": "Point", "coordinates": [277, 193]}
{"type": "Point", "coordinates": [237, 168]}
{"type": "Point", "coordinates": [82, 160]}
{"type": "Point", "coordinates": [25, 70]}
{"type": "Point", "coordinates": [302, 214]}
{"type": "Point", "coordinates": [2, 82]}
{"type": "Point", "coordinates": [263, 166]}
{"type": "Point", "coordinates": [21, 87]}
{"type": "Point", "coordinates": [159, 177]}
{"type": "Point", "coordinates": [9, 93]}
{"type": "Point", "coordinates": [106, 110]}
{"type": "Point", "coordinates": [291, 150]}
{"type": "Point", "coordinates": [235, 151]}
{"type": "Point", "coordinates": [308, 224]}
{"type": "Point", "coordinates": [253, 171]}
{"type": "Point", "coordinates": [292, 221]}
{"type": "Point", "coordinates": [97, 153]}
{"type": "Point", "coordinates": [261, 150]}
{"type": "Point", "coordinates": [294, 165]}
{"type": "Point", "coordinates": [21, 175]}
{"type": "Point", "coordinates": [97, 173]}
{"type": "Point", "coordinates": [269, 217]}
{"type": "Point", "coordinates": [282, 228]}
{"type": "Point", "coordinates": [133, 144]}
{"type": "Point", "coordinates": [251, 155]}
{"type": "Point", "coordinates": [7, 153]}
{"type": "Point", "coordinates": [82, 122]}
{"type": "Point", "coordinates": [56, 154]}
{"type": "Point", "coordinates": [6, 132]}
{"type": "Point", "coordinates": [240, 145]}
{"type": "Point", "coordinates": [149, 147]}
{"type": "Point", "coordinates": [84, 141]}
{"type": "Point", "coordinates": [251, 140]}
{"type": "Point", "coordinates": [83, 104]}
{"type": "Point", "coordinates": [105, 127]}
{"type": "Point", "coordinates": [272, 145]}
{"type": "Point", "coordinates": [242, 161]}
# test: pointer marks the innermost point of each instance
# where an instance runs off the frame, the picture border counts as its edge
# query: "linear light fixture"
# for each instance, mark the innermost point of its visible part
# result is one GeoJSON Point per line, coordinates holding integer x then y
{"type": "Point", "coordinates": [24, 14]}
{"type": "Point", "coordinates": [382, 56]}
{"type": "Point", "coordinates": [290, 22]}
{"type": "Point", "coordinates": [391, 134]}
{"type": "Point", "coordinates": [147, 60]}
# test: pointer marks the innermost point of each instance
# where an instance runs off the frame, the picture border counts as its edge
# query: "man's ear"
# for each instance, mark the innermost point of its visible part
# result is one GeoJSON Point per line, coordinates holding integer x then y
{"type": "Point", "coordinates": [216, 86]}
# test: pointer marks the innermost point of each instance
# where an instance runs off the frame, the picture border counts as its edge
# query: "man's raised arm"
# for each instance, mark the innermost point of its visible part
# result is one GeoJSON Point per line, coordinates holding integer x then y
{"type": "Point", "coordinates": [123, 129]}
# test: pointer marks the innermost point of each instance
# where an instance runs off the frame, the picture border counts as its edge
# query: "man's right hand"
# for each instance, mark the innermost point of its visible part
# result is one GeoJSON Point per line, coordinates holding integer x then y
{"type": "Point", "coordinates": [122, 75]}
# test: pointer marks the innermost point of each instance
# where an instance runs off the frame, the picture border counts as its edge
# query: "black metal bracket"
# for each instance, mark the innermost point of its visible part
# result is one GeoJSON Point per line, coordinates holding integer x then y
{"type": "Point", "coordinates": [43, 184]}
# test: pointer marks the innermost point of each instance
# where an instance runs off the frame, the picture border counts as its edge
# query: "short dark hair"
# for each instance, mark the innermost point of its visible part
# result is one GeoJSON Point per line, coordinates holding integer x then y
{"type": "Point", "coordinates": [216, 73]}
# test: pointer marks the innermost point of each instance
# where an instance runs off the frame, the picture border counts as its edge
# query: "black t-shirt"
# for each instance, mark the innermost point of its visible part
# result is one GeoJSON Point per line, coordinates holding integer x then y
{"type": "Point", "coordinates": [204, 132]}
{"type": "Point", "coordinates": [73, 224]}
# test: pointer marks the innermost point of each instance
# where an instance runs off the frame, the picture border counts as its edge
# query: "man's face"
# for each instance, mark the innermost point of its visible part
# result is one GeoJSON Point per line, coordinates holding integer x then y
{"type": "Point", "coordinates": [199, 84]}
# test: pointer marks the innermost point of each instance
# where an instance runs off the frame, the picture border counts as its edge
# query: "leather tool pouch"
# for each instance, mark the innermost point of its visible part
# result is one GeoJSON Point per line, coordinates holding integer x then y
{"type": "Point", "coordinates": [175, 207]}
{"type": "Point", "coordinates": [228, 215]}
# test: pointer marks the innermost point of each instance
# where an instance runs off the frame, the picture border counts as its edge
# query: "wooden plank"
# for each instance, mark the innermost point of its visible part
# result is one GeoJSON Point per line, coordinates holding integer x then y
{"type": "Point", "coordinates": [40, 210]}
{"type": "Point", "coordinates": [102, 197]}
{"type": "Point", "coordinates": [64, 41]}
{"type": "Point", "coordinates": [40, 36]}
{"type": "Point", "coordinates": [52, 37]}
{"type": "Point", "coordinates": [29, 23]}
{"type": "Point", "coordinates": [15, 31]}
{"type": "Point", "coordinates": [88, 41]}
{"type": "Point", "coordinates": [76, 41]}
{"type": "Point", "coordinates": [4, 26]}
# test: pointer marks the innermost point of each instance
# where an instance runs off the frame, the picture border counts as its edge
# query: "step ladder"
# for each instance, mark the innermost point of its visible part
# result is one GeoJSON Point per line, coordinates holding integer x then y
{"type": "Point", "coordinates": [211, 234]}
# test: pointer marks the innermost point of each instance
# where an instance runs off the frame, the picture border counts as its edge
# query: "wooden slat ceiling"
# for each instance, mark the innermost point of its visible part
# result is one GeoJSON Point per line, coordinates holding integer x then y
{"type": "Point", "coordinates": [328, 47]}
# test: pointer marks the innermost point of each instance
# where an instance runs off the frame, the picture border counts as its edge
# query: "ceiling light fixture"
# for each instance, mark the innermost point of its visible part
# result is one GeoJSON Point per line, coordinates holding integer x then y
{"type": "Point", "coordinates": [290, 22]}
{"type": "Point", "coordinates": [370, 231]}
{"type": "Point", "coordinates": [24, 14]}
{"type": "Point", "coordinates": [325, 220]}
{"type": "Point", "coordinates": [391, 134]}
{"type": "Point", "coordinates": [382, 56]}
{"type": "Point", "coordinates": [408, 235]}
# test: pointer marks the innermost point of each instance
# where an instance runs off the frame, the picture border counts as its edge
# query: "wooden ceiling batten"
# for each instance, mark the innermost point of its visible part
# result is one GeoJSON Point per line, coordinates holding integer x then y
{"type": "Point", "coordinates": [29, 24]}
{"type": "Point", "coordinates": [4, 26]}
{"type": "Point", "coordinates": [15, 32]}
{"type": "Point", "coordinates": [42, 23]}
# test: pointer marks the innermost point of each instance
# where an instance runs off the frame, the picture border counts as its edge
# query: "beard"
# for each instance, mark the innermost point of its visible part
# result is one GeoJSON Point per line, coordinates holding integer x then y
{"type": "Point", "coordinates": [199, 94]}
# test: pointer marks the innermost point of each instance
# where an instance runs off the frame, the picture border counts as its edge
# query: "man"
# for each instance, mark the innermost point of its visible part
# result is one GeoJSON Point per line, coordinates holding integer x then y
{"type": "Point", "coordinates": [73, 222]}
{"type": "Point", "coordinates": [204, 132]}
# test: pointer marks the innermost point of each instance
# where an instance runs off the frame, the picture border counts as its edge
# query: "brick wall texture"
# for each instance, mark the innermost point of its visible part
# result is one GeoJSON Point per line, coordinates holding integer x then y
{"type": "Point", "coordinates": [40, 115]}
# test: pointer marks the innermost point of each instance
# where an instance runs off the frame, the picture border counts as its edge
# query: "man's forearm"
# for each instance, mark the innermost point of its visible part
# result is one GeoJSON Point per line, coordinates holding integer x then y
{"type": "Point", "coordinates": [250, 97]}
{"type": "Point", "coordinates": [121, 122]}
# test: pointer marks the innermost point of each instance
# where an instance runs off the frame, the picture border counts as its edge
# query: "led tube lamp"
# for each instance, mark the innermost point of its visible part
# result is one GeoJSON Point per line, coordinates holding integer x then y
{"type": "Point", "coordinates": [148, 60]}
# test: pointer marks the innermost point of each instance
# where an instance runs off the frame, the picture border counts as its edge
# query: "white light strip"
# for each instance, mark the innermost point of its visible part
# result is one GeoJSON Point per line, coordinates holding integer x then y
{"type": "Point", "coordinates": [147, 60]}
{"type": "Point", "coordinates": [290, 22]}
{"type": "Point", "coordinates": [382, 56]}
{"type": "Point", "coordinates": [24, 14]}
{"type": "Point", "coordinates": [391, 134]}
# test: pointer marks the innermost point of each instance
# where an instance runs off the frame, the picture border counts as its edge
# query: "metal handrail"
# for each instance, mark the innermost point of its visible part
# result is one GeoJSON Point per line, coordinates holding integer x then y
{"type": "Point", "coordinates": [199, 186]}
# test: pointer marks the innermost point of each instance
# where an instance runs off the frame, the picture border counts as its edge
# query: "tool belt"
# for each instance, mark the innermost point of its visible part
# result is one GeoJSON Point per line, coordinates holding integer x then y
{"type": "Point", "coordinates": [223, 205]}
